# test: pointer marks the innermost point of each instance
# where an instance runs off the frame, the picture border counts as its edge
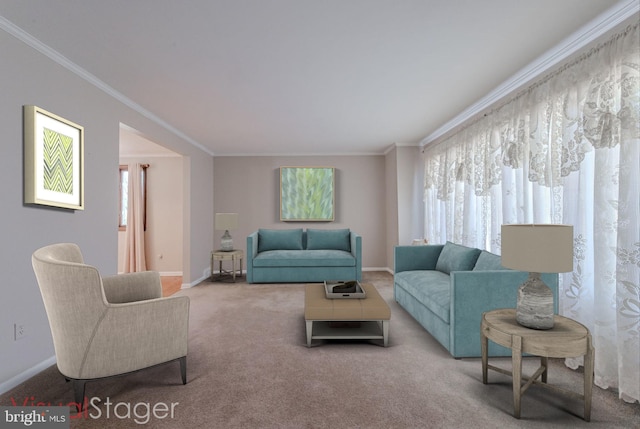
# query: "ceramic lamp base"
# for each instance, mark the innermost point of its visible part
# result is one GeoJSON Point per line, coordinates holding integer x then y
{"type": "Point", "coordinates": [534, 307]}
{"type": "Point", "coordinates": [226, 242]}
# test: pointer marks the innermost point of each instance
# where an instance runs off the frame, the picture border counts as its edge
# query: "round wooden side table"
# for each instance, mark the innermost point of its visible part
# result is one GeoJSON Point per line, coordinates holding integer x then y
{"type": "Point", "coordinates": [567, 338]}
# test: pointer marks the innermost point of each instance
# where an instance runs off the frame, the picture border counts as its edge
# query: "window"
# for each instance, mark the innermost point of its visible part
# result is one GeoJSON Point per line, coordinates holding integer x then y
{"type": "Point", "coordinates": [124, 196]}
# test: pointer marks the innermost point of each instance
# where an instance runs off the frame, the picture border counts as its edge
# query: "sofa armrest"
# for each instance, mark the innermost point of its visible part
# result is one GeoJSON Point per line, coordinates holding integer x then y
{"type": "Point", "coordinates": [475, 292]}
{"type": "Point", "coordinates": [131, 287]}
{"type": "Point", "coordinates": [252, 252]}
{"type": "Point", "coordinates": [356, 251]}
{"type": "Point", "coordinates": [411, 258]}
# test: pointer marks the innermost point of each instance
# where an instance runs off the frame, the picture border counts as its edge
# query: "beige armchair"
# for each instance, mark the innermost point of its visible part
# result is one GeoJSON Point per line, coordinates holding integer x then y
{"type": "Point", "coordinates": [109, 326]}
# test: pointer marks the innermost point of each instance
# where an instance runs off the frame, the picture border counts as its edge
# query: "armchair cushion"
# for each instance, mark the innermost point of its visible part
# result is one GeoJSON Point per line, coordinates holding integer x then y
{"type": "Point", "coordinates": [131, 287]}
{"type": "Point", "coordinates": [275, 239]}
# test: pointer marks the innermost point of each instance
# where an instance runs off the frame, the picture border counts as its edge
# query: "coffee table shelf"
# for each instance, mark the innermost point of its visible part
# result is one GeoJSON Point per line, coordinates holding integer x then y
{"type": "Point", "coordinates": [323, 330]}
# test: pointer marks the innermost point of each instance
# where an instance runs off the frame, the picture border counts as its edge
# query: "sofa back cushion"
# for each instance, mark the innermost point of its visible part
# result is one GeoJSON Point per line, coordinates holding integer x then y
{"type": "Point", "coordinates": [455, 257]}
{"type": "Point", "coordinates": [329, 239]}
{"type": "Point", "coordinates": [279, 239]}
{"type": "Point", "coordinates": [488, 261]}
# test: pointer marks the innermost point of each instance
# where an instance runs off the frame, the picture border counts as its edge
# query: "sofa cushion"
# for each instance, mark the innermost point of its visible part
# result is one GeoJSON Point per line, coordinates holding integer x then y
{"type": "Point", "coordinates": [304, 258]}
{"type": "Point", "coordinates": [431, 288]}
{"type": "Point", "coordinates": [329, 239]}
{"type": "Point", "coordinates": [488, 261]}
{"type": "Point", "coordinates": [279, 239]}
{"type": "Point", "coordinates": [455, 257]}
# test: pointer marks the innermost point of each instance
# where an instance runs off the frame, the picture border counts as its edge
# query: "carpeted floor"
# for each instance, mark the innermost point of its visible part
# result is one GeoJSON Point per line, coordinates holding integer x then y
{"type": "Point", "coordinates": [248, 367]}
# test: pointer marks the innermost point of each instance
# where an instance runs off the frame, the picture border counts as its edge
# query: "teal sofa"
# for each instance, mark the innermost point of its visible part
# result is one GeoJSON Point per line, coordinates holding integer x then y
{"type": "Point", "coordinates": [303, 256]}
{"type": "Point", "coordinates": [446, 288]}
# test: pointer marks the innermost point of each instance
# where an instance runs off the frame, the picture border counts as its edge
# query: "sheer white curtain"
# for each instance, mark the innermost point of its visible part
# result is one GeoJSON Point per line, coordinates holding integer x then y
{"type": "Point", "coordinates": [135, 259]}
{"type": "Point", "coordinates": [566, 150]}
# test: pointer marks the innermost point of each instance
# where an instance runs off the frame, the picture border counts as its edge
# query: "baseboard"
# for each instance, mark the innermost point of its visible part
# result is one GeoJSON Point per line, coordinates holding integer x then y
{"type": "Point", "coordinates": [387, 269]}
{"type": "Point", "coordinates": [164, 273]}
{"type": "Point", "coordinates": [195, 282]}
{"type": "Point", "coordinates": [170, 273]}
{"type": "Point", "coordinates": [25, 375]}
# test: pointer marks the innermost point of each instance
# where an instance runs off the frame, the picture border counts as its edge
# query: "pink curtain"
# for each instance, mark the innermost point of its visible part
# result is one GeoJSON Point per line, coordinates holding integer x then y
{"type": "Point", "coordinates": [134, 249]}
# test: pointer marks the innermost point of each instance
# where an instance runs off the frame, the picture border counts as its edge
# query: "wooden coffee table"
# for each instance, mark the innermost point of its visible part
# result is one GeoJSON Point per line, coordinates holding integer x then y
{"type": "Point", "coordinates": [567, 338]}
{"type": "Point", "coordinates": [352, 318]}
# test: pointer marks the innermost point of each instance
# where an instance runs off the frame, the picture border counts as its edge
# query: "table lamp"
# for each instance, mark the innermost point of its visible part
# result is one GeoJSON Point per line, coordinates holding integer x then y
{"type": "Point", "coordinates": [537, 248]}
{"type": "Point", "coordinates": [226, 221]}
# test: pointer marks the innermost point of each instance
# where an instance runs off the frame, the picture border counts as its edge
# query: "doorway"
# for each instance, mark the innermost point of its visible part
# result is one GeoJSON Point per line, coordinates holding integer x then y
{"type": "Point", "coordinates": [163, 235]}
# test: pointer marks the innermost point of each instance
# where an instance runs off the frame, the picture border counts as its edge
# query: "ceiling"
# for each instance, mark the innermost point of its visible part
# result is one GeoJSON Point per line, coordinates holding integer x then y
{"type": "Point", "coordinates": [302, 76]}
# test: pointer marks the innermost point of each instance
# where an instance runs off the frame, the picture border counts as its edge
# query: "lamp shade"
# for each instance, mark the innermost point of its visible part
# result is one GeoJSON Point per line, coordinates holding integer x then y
{"type": "Point", "coordinates": [538, 248]}
{"type": "Point", "coordinates": [226, 221]}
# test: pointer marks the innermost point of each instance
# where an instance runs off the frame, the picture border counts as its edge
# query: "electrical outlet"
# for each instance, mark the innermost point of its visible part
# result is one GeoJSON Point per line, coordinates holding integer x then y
{"type": "Point", "coordinates": [19, 331]}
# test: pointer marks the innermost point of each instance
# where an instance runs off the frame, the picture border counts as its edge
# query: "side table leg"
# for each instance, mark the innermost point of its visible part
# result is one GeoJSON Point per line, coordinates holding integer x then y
{"type": "Point", "coordinates": [485, 358]}
{"type": "Point", "coordinates": [516, 357]}
{"type": "Point", "coordinates": [544, 361]}
{"type": "Point", "coordinates": [233, 262]}
{"type": "Point", "coordinates": [588, 379]}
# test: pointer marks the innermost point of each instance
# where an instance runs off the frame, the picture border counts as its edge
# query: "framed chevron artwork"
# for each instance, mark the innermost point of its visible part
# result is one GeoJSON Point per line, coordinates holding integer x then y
{"type": "Point", "coordinates": [53, 160]}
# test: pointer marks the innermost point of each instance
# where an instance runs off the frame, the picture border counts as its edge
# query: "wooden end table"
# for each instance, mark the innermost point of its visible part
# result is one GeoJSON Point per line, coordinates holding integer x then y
{"type": "Point", "coordinates": [567, 338]}
{"type": "Point", "coordinates": [224, 255]}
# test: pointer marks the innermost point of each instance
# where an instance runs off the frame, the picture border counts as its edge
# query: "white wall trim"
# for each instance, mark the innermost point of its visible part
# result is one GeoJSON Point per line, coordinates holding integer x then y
{"type": "Point", "coordinates": [584, 36]}
{"type": "Point", "coordinates": [294, 154]}
{"type": "Point", "coordinates": [171, 274]}
{"type": "Point", "coordinates": [195, 282]}
{"type": "Point", "coordinates": [387, 269]}
{"type": "Point", "coordinates": [57, 57]}
{"type": "Point", "coordinates": [25, 375]}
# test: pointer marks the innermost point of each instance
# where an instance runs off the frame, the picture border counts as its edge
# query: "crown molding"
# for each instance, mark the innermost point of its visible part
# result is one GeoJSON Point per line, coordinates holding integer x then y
{"type": "Point", "coordinates": [57, 57]}
{"type": "Point", "coordinates": [587, 34]}
{"type": "Point", "coordinates": [298, 155]}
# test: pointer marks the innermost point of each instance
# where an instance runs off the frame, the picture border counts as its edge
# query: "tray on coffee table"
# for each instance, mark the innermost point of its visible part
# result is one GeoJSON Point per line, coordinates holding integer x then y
{"type": "Point", "coordinates": [341, 289]}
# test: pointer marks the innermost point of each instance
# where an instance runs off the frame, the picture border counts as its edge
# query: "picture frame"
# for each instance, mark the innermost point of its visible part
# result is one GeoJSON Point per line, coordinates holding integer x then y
{"type": "Point", "coordinates": [53, 160]}
{"type": "Point", "coordinates": [307, 194]}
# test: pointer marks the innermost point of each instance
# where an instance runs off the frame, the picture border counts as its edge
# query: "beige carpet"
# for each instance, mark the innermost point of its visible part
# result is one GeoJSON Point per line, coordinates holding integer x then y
{"type": "Point", "coordinates": [248, 367]}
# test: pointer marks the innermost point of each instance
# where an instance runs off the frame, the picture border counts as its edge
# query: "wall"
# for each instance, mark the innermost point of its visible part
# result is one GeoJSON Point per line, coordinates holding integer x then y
{"type": "Point", "coordinates": [30, 77]}
{"type": "Point", "coordinates": [163, 237]}
{"type": "Point", "coordinates": [250, 186]}
{"type": "Point", "coordinates": [410, 190]}
{"type": "Point", "coordinates": [391, 189]}
{"type": "Point", "coordinates": [404, 210]}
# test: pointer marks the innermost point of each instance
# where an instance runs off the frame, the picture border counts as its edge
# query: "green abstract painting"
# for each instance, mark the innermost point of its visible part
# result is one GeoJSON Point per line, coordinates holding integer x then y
{"type": "Point", "coordinates": [58, 162]}
{"type": "Point", "coordinates": [307, 193]}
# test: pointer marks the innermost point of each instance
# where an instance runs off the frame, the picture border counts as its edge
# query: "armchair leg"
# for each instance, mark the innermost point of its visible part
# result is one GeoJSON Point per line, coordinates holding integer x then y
{"type": "Point", "coordinates": [183, 369]}
{"type": "Point", "coordinates": [78, 393]}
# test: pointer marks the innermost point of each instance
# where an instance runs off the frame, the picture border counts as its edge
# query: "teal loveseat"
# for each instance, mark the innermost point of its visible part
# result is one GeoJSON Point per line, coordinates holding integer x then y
{"type": "Point", "coordinates": [299, 256]}
{"type": "Point", "coordinates": [446, 288]}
